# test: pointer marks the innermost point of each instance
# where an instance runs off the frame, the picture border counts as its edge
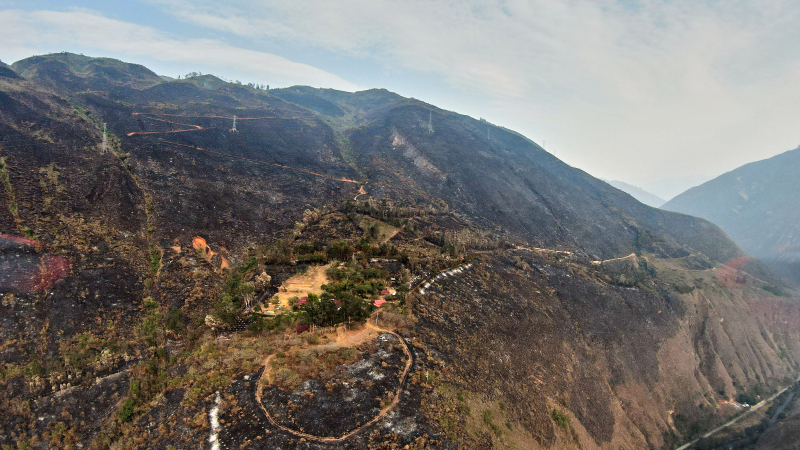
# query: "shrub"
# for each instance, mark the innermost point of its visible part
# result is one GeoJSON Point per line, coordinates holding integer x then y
{"type": "Point", "coordinates": [175, 320]}
{"type": "Point", "coordinates": [126, 413]}
{"type": "Point", "coordinates": [560, 419]}
{"type": "Point", "coordinates": [149, 303]}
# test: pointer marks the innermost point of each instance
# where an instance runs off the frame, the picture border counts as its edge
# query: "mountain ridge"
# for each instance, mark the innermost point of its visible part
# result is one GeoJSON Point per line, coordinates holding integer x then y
{"type": "Point", "coordinates": [638, 193]}
{"type": "Point", "coordinates": [754, 205]}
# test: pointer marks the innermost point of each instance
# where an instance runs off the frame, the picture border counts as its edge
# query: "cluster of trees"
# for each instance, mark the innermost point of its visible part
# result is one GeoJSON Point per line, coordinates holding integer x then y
{"type": "Point", "coordinates": [383, 211]}
{"type": "Point", "coordinates": [355, 280]}
{"type": "Point", "coordinates": [252, 85]}
{"type": "Point", "coordinates": [311, 253]}
{"type": "Point", "coordinates": [457, 242]}
{"type": "Point", "coordinates": [384, 250]}
{"type": "Point", "coordinates": [234, 292]}
{"type": "Point", "coordinates": [282, 252]}
{"type": "Point", "coordinates": [341, 251]}
{"type": "Point", "coordinates": [327, 310]}
{"type": "Point", "coordinates": [260, 324]}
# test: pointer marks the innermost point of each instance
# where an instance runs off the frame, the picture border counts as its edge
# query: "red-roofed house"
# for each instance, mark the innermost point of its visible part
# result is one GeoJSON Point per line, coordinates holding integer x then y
{"type": "Point", "coordinates": [302, 301]}
{"type": "Point", "coordinates": [379, 302]}
{"type": "Point", "coordinates": [385, 292]}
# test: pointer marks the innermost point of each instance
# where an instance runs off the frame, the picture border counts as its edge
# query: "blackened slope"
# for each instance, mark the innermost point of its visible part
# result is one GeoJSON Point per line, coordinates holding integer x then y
{"type": "Point", "coordinates": [758, 205]}
{"type": "Point", "coordinates": [80, 204]}
{"type": "Point", "coordinates": [7, 72]}
{"type": "Point", "coordinates": [494, 175]}
{"type": "Point", "coordinates": [518, 329]}
{"type": "Point", "coordinates": [68, 73]}
{"type": "Point", "coordinates": [299, 95]}
{"type": "Point", "coordinates": [499, 177]}
{"type": "Point", "coordinates": [233, 188]}
{"type": "Point", "coordinates": [358, 106]}
{"type": "Point", "coordinates": [38, 129]}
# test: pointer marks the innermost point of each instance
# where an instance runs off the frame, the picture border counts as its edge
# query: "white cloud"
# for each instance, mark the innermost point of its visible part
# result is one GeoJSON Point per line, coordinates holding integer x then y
{"type": "Point", "coordinates": [27, 33]}
{"type": "Point", "coordinates": [630, 91]}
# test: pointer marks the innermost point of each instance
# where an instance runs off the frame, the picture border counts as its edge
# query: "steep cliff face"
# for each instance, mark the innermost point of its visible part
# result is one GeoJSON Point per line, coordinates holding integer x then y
{"type": "Point", "coordinates": [547, 309]}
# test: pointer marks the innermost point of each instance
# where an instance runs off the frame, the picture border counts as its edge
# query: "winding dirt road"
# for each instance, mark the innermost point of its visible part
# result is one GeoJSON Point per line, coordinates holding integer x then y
{"type": "Point", "coordinates": [266, 375]}
{"type": "Point", "coordinates": [361, 191]}
{"type": "Point", "coordinates": [194, 128]}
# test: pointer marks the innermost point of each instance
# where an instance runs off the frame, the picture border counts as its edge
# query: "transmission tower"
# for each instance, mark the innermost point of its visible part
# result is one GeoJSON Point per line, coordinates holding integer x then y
{"type": "Point", "coordinates": [234, 125]}
{"type": "Point", "coordinates": [104, 148]}
{"type": "Point", "coordinates": [430, 121]}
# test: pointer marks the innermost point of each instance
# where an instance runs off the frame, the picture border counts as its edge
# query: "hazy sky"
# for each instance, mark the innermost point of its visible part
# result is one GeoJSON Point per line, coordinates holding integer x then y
{"type": "Point", "coordinates": [660, 94]}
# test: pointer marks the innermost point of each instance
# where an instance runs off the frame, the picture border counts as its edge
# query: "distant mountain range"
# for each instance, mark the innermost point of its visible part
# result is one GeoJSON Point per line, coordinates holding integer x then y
{"type": "Point", "coordinates": [757, 205]}
{"type": "Point", "coordinates": [638, 193]}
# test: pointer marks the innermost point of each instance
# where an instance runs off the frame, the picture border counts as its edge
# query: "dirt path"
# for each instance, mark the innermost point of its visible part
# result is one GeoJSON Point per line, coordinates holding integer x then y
{"type": "Point", "coordinates": [194, 128]}
{"type": "Point", "coordinates": [361, 191]}
{"type": "Point", "coordinates": [632, 255]}
{"type": "Point", "coordinates": [391, 235]}
{"type": "Point", "coordinates": [368, 328]}
{"type": "Point", "coordinates": [543, 250]}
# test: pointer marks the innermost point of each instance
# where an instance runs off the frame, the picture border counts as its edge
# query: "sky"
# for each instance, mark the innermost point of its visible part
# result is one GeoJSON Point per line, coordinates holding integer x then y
{"type": "Point", "coordinates": [661, 94]}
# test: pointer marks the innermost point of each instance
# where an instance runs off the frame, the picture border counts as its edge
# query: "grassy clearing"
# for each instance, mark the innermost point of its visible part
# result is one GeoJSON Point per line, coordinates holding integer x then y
{"type": "Point", "coordinates": [300, 285]}
{"type": "Point", "coordinates": [376, 229]}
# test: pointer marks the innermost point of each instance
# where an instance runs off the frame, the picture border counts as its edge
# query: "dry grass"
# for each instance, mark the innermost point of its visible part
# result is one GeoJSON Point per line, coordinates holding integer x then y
{"type": "Point", "coordinates": [383, 230]}
{"type": "Point", "coordinates": [299, 365]}
{"type": "Point", "coordinates": [300, 285]}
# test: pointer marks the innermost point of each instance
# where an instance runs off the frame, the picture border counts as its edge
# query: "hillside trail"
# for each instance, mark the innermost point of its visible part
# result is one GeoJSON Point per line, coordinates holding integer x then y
{"type": "Point", "coordinates": [354, 338]}
{"type": "Point", "coordinates": [194, 128]}
{"type": "Point", "coordinates": [361, 191]}
{"type": "Point", "coordinates": [392, 234]}
{"type": "Point", "coordinates": [543, 250]}
{"type": "Point", "coordinates": [632, 255]}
